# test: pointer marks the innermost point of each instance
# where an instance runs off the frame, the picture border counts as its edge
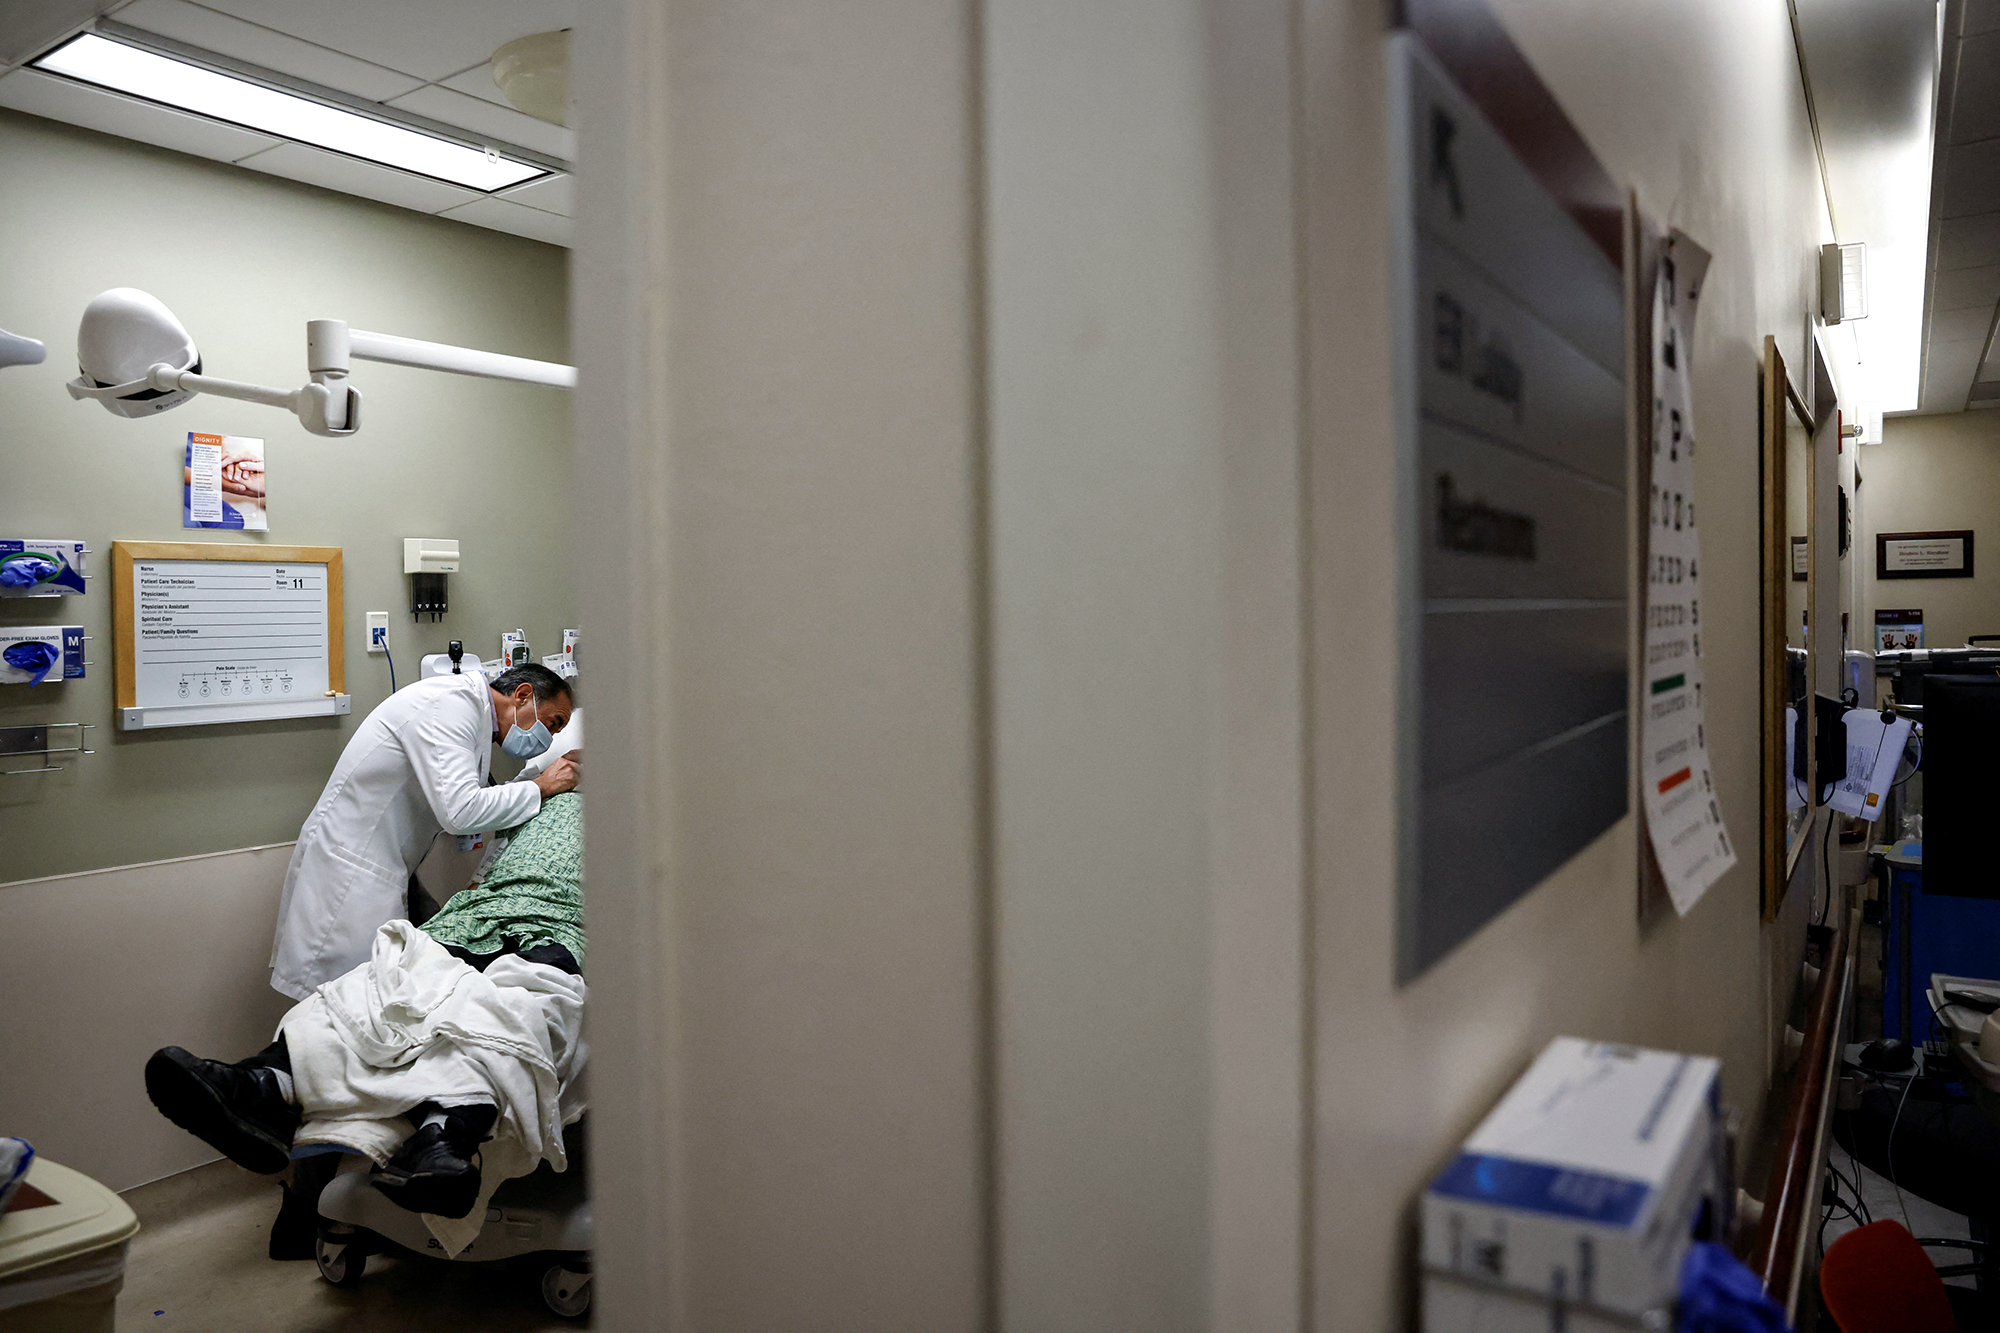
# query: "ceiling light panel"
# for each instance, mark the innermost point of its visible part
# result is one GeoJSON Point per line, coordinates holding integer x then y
{"type": "Point", "coordinates": [176, 83]}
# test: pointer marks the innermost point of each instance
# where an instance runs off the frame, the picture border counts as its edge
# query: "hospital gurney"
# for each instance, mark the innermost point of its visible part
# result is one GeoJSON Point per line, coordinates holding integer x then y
{"type": "Point", "coordinates": [542, 1220]}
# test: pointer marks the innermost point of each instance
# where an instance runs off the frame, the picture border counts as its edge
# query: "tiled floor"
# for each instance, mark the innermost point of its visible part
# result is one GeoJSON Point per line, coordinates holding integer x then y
{"type": "Point", "coordinates": [200, 1266]}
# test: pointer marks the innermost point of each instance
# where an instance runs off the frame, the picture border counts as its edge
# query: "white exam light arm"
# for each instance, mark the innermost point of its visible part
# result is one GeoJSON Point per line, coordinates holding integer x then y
{"type": "Point", "coordinates": [16, 350]}
{"type": "Point", "coordinates": [327, 405]}
{"type": "Point", "coordinates": [388, 348]}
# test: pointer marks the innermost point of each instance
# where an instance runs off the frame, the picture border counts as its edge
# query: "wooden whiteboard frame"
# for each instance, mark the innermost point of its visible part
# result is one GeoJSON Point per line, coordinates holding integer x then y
{"type": "Point", "coordinates": [125, 607]}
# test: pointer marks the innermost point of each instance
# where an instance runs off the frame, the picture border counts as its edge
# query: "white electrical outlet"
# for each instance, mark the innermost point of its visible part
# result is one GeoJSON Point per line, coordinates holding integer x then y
{"type": "Point", "coordinates": [378, 631]}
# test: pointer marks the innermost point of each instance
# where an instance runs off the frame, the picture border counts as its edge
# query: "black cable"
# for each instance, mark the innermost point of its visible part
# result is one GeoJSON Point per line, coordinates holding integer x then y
{"type": "Point", "coordinates": [1916, 737]}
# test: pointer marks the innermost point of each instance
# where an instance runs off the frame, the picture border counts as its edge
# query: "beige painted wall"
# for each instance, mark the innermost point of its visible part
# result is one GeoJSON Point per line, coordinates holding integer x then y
{"type": "Point", "coordinates": [110, 965]}
{"type": "Point", "coordinates": [1699, 108]}
{"type": "Point", "coordinates": [988, 939]}
{"type": "Point", "coordinates": [779, 405]}
{"type": "Point", "coordinates": [245, 259]}
{"type": "Point", "coordinates": [1932, 473]}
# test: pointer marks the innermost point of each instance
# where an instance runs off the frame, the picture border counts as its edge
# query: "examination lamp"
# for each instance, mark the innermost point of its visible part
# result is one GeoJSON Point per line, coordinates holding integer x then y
{"type": "Point", "coordinates": [137, 360]}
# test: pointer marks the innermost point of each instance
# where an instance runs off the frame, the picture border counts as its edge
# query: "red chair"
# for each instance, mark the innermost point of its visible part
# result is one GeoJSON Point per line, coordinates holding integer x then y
{"type": "Point", "coordinates": [1877, 1279]}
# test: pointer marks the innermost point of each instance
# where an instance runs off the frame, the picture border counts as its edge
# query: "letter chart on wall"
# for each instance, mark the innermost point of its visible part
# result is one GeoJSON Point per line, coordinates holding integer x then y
{"type": "Point", "coordinates": [1683, 814]}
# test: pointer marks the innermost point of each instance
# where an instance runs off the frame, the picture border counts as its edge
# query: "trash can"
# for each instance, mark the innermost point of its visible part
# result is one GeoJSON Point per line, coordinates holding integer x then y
{"type": "Point", "coordinates": [62, 1253]}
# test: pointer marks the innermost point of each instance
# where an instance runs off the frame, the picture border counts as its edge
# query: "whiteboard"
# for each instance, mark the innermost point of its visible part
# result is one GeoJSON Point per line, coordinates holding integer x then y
{"type": "Point", "coordinates": [226, 633]}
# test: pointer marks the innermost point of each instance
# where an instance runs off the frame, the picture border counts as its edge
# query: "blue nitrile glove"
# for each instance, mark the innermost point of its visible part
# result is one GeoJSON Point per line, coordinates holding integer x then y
{"type": "Point", "coordinates": [1720, 1295]}
{"type": "Point", "coordinates": [25, 571]}
{"type": "Point", "coordinates": [15, 1157]}
{"type": "Point", "coordinates": [33, 657]}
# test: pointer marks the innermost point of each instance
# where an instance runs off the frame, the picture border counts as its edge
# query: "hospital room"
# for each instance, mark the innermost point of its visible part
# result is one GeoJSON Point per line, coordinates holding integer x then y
{"type": "Point", "coordinates": [1269, 666]}
{"type": "Point", "coordinates": [347, 227]}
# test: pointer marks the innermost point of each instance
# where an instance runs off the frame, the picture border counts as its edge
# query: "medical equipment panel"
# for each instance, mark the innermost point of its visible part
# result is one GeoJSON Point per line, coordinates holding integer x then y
{"type": "Point", "coordinates": [564, 662]}
{"type": "Point", "coordinates": [41, 567]}
{"type": "Point", "coordinates": [513, 648]}
{"type": "Point", "coordinates": [212, 632]}
{"type": "Point", "coordinates": [427, 560]}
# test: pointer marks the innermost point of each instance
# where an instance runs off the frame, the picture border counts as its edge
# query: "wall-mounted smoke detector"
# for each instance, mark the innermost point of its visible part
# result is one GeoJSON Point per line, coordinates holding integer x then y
{"type": "Point", "coordinates": [533, 74]}
{"type": "Point", "coordinates": [1843, 282]}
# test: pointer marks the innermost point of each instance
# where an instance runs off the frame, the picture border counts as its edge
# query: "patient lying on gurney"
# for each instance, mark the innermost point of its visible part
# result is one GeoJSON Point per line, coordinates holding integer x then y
{"type": "Point", "coordinates": [467, 1031]}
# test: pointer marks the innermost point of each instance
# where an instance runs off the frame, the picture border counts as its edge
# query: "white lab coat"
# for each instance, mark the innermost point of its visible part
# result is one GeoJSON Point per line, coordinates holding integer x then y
{"type": "Point", "coordinates": [417, 765]}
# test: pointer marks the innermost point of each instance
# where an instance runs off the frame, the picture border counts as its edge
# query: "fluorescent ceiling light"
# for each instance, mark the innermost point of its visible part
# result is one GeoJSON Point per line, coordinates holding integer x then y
{"type": "Point", "coordinates": [176, 83]}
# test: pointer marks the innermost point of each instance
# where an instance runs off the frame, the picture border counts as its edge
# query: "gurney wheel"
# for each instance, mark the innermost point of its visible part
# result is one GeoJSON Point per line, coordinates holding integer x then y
{"type": "Point", "coordinates": [566, 1293]}
{"type": "Point", "coordinates": [340, 1264]}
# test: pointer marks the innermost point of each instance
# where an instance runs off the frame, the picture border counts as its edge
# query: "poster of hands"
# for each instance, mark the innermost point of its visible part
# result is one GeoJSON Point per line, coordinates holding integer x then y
{"type": "Point", "coordinates": [222, 483]}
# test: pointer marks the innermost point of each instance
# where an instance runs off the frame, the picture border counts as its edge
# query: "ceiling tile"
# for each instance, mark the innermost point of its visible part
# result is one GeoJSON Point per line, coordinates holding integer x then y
{"type": "Point", "coordinates": [503, 123]}
{"type": "Point", "coordinates": [27, 26]}
{"type": "Point", "coordinates": [499, 215]}
{"type": "Point", "coordinates": [1960, 325]}
{"type": "Point", "coordinates": [1969, 241]}
{"type": "Point", "coordinates": [1971, 179]}
{"type": "Point", "coordinates": [260, 46]}
{"type": "Point", "coordinates": [478, 81]}
{"type": "Point", "coordinates": [551, 194]}
{"type": "Point", "coordinates": [58, 99]}
{"type": "Point", "coordinates": [1962, 287]}
{"type": "Point", "coordinates": [1948, 370]}
{"type": "Point", "coordinates": [432, 41]}
{"type": "Point", "coordinates": [1981, 16]}
{"type": "Point", "coordinates": [1975, 102]}
{"type": "Point", "coordinates": [350, 176]}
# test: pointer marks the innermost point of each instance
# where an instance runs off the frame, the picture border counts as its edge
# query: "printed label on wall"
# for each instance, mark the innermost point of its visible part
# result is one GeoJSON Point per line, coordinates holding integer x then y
{"type": "Point", "coordinates": [1513, 422]}
{"type": "Point", "coordinates": [1683, 813]}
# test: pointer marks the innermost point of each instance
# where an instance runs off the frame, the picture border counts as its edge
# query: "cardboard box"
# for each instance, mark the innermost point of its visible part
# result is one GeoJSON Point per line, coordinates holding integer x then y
{"type": "Point", "coordinates": [1584, 1184]}
{"type": "Point", "coordinates": [67, 640]}
{"type": "Point", "coordinates": [1455, 1305]}
{"type": "Point", "coordinates": [66, 555]}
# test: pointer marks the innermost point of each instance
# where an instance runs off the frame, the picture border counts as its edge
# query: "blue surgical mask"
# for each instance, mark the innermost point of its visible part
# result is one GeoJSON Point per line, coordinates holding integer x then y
{"type": "Point", "coordinates": [526, 742]}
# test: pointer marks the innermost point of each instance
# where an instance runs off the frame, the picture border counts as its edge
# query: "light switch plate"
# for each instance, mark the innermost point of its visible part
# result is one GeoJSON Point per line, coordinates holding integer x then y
{"type": "Point", "coordinates": [378, 620]}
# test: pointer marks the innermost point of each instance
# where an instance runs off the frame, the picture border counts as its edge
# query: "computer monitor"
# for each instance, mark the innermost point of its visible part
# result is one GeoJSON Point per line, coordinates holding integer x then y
{"type": "Point", "coordinates": [1910, 675]}
{"type": "Point", "coordinates": [1830, 715]}
{"type": "Point", "coordinates": [1961, 763]}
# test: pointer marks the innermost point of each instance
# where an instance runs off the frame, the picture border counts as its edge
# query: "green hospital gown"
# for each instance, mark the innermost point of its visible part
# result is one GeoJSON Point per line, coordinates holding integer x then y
{"type": "Point", "coordinates": [531, 893]}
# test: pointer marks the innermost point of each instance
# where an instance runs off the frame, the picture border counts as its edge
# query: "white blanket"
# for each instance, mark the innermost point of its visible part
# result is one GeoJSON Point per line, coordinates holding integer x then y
{"type": "Point", "coordinates": [414, 1024]}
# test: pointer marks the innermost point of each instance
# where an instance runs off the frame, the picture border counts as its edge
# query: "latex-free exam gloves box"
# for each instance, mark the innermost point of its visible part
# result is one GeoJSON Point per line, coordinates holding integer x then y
{"type": "Point", "coordinates": [31, 654]}
{"type": "Point", "coordinates": [1585, 1183]}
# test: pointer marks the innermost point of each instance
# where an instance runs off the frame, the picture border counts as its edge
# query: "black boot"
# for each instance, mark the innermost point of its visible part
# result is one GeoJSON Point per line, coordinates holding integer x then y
{"type": "Point", "coordinates": [235, 1109]}
{"type": "Point", "coordinates": [434, 1171]}
{"type": "Point", "coordinates": [297, 1226]}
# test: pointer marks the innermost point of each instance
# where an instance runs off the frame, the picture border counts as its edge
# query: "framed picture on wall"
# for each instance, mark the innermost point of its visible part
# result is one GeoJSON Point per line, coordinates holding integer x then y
{"type": "Point", "coordinates": [1924, 555]}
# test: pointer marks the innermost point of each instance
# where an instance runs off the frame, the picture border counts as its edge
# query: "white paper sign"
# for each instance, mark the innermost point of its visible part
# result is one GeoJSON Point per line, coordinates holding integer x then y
{"type": "Point", "coordinates": [1874, 749]}
{"type": "Point", "coordinates": [1683, 814]}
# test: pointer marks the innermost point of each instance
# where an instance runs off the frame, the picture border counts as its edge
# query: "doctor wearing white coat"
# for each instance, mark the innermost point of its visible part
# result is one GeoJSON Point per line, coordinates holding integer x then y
{"type": "Point", "coordinates": [417, 766]}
